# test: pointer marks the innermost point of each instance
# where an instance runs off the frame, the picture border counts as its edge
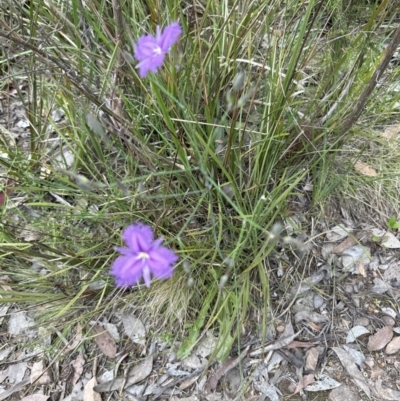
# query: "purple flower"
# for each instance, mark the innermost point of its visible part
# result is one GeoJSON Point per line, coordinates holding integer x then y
{"type": "Point", "coordinates": [150, 51]}
{"type": "Point", "coordinates": [143, 257]}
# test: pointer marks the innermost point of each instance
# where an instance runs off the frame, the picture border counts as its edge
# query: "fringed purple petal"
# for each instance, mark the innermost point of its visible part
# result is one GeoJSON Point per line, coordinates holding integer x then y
{"type": "Point", "coordinates": [169, 36]}
{"type": "Point", "coordinates": [161, 262]}
{"type": "Point", "coordinates": [127, 271]}
{"type": "Point", "coordinates": [138, 237]}
{"type": "Point", "coordinates": [151, 64]}
{"type": "Point", "coordinates": [145, 47]}
{"type": "Point", "coordinates": [147, 276]}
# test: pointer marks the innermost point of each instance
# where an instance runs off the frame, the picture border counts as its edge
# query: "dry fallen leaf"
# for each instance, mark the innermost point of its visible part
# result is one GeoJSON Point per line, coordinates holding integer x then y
{"type": "Point", "coordinates": [299, 344]}
{"type": "Point", "coordinates": [188, 382]}
{"type": "Point", "coordinates": [77, 364]}
{"type": "Point", "coordinates": [386, 393]}
{"type": "Point", "coordinates": [16, 372]}
{"type": "Point", "coordinates": [134, 329]}
{"type": "Point", "coordinates": [212, 382]}
{"type": "Point", "coordinates": [88, 393]}
{"type": "Point", "coordinates": [309, 317]}
{"type": "Point", "coordinates": [312, 356]}
{"type": "Point", "coordinates": [338, 233]}
{"type": "Point", "coordinates": [36, 397]}
{"type": "Point", "coordinates": [304, 382]}
{"type": "Point", "coordinates": [104, 340]}
{"type": "Point", "coordinates": [76, 339]}
{"type": "Point", "coordinates": [3, 312]}
{"type": "Point", "coordinates": [342, 393]}
{"type": "Point", "coordinates": [352, 370]}
{"type": "Point", "coordinates": [356, 332]}
{"type": "Point", "coordinates": [18, 387]}
{"type": "Point", "coordinates": [39, 374]}
{"type": "Point", "coordinates": [323, 383]}
{"type": "Point", "coordinates": [20, 323]}
{"type": "Point", "coordinates": [391, 131]}
{"type": "Point", "coordinates": [268, 389]}
{"type": "Point", "coordinates": [389, 240]}
{"type": "Point", "coordinates": [347, 243]}
{"type": "Point", "coordinates": [393, 346]}
{"type": "Point", "coordinates": [380, 338]}
{"type": "Point", "coordinates": [135, 375]}
{"type": "Point", "coordinates": [364, 169]}
{"type": "Point", "coordinates": [357, 356]}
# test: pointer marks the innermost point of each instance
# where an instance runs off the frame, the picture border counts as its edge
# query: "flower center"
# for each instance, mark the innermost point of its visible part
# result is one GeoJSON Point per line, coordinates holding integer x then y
{"type": "Point", "coordinates": [157, 50]}
{"type": "Point", "coordinates": [143, 255]}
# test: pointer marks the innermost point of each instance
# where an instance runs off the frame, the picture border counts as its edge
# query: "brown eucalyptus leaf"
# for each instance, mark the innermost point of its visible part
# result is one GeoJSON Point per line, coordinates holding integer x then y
{"type": "Point", "coordinates": [104, 340]}
{"type": "Point", "coordinates": [312, 356]}
{"type": "Point", "coordinates": [393, 346]}
{"type": "Point", "coordinates": [299, 344]}
{"type": "Point", "coordinates": [347, 243]}
{"type": "Point", "coordinates": [380, 338]}
{"type": "Point", "coordinates": [304, 382]}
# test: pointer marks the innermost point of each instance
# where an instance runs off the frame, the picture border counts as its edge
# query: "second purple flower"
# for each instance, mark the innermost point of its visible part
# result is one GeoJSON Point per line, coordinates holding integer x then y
{"type": "Point", "coordinates": [150, 51]}
{"type": "Point", "coordinates": [143, 257]}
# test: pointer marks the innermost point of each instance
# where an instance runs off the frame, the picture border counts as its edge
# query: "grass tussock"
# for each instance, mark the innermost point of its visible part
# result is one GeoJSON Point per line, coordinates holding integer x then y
{"type": "Point", "coordinates": [256, 98]}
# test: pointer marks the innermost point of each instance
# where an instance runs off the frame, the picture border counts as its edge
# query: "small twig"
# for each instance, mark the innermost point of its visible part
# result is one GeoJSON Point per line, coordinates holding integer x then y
{"type": "Point", "coordinates": [177, 381]}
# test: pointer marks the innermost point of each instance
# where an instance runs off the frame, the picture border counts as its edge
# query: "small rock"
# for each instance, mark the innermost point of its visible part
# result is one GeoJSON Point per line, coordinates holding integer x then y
{"type": "Point", "coordinates": [280, 329]}
{"type": "Point", "coordinates": [393, 346]}
{"type": "Point", "coordinates": [349, 288]}
{"type": "Point", "coordinates": [356, 301]}
{"type": "Point", "coordinates": [389, 312]}
{"type": "Point", "coordinates": [340, 306]}
{"type": "Point", "coordinates": [337, 233]}
{"type": "Point", "coordinates": [318, 301]}
{"type": "Point", "coordinates": [192, 362]}
{"type": "Point", "coordinates": [369, 362]}
{"type": "Point", "coordinates": [207, 346]}
{"type": "Point", "coordinates": [354, 256]}
{"type": "Point", "coordinates": [362, 321]}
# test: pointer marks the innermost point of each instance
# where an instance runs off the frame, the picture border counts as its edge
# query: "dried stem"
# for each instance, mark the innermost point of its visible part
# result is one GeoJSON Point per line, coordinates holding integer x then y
{"type": "Point", "coordinates": [377, 75]}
